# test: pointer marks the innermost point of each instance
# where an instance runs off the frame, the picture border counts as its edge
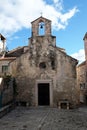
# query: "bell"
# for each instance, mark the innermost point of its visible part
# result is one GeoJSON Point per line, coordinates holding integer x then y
{"type": "Point", "coordinates": [41, 26]}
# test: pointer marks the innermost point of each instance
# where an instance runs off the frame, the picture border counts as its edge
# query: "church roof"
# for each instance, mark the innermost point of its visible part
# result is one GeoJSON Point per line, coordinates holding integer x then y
{"type": "Point", "coordinates": [15, 52]}
{"type": "Point", "coordinates": [41, 18]}
{"type": "Point", "coordinates": [7, 58]}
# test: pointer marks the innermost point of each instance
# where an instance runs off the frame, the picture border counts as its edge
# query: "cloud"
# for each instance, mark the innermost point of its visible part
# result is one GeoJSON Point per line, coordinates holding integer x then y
{"type": "Point", "coordinates": [58, 4]}
{"type": "Point", "coordinates": [18, 14]}
{"type": "Point", "coordinates": [80, 55]}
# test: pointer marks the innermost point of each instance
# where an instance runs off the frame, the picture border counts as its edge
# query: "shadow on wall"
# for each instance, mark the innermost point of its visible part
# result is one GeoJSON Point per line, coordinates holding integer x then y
{"type": "Point", "coordinates": [8, 90]}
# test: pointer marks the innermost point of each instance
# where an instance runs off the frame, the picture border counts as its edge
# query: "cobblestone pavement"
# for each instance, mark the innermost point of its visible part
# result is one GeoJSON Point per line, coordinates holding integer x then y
{"type": "Point", "coordinates": [44, 118]}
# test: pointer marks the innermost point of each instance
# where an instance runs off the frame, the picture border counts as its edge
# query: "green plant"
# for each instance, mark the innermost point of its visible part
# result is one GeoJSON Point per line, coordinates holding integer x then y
{"type": "Point", "coordinates": [7, 79]}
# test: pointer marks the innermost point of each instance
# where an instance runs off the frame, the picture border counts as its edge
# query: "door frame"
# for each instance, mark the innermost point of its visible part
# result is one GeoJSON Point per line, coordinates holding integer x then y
{"type": "Point", "coordinates": [50, 91]}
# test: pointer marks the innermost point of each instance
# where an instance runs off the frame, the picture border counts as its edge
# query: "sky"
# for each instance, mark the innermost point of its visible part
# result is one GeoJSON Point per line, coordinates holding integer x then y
{"type": "Point", "coordinates": [69, 22]}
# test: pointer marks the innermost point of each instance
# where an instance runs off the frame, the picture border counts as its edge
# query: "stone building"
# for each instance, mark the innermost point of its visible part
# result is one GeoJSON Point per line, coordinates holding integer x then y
{"type": "Point", "coordinates": [44, 73]}
{"type": "Point", "coordinates": [6, 80]}
{"type": "Point", "coordinates": [6, 85]}
{"type": "Point", "coordinates": [82, 75]}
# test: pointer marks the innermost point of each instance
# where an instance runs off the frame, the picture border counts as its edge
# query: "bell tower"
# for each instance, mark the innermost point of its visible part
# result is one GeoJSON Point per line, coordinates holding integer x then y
{"type": "Point", "coordinates": [41, 32]}
{"type": "Point", "coordinates": [41, 27]}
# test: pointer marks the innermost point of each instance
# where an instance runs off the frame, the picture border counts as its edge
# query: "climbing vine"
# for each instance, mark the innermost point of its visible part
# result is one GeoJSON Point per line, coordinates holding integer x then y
{"type": "Point", "coordinates": [7, 79]}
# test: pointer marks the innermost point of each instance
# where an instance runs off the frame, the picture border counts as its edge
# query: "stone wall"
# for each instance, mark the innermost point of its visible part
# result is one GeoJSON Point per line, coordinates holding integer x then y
{"type": "Point", "coordinates": [82, 81]}
{"type": "Point", "coordinates": [66, 84]}
{"type": "Point", "coordinates": [6, 91]}
{"type": "Point", "coordinates": [42, 63]}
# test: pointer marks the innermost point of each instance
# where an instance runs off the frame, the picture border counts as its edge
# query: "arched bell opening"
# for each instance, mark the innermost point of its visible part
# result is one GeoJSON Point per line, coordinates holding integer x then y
{"type": "Point", "coordinates": [41, 28]}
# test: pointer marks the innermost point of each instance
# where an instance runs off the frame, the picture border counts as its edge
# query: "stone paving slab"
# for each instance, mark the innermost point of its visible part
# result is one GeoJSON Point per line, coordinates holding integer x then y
{"type": "Point", "coordinates": [44, 118]}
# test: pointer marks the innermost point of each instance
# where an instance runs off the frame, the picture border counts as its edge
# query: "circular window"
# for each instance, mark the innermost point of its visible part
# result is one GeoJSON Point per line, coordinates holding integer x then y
{"type": "Point", "coordinates": [42, 65]}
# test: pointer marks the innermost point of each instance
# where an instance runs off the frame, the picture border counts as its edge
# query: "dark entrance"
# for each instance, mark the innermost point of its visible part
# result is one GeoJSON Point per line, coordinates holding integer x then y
{"type": "Point", "coordinates": [86, 99]}
{"type": "Point", "coordinates": [43, 94]}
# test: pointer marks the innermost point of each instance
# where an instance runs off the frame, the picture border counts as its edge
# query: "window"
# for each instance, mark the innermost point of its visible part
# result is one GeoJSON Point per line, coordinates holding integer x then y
{"type": "Point", "coordinates": [42, 65]}
{"type": "Point", "coordinates": [53, 64]}
{"type": "Point", "coordinates": [4, 68]}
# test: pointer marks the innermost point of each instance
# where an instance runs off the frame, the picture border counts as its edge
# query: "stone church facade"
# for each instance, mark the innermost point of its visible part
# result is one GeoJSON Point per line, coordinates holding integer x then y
{"type": "Point", "coordinates": [44, 73]}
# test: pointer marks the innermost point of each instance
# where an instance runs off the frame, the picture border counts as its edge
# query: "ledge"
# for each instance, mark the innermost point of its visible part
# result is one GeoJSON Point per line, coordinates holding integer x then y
{"type": "Point", "coordinates": [4, 110]}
